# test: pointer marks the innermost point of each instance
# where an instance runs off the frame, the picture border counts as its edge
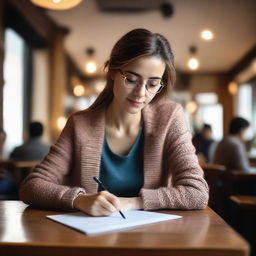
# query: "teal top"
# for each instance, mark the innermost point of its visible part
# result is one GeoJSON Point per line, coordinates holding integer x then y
{"type": "Point", "coordinates": [123, 175]}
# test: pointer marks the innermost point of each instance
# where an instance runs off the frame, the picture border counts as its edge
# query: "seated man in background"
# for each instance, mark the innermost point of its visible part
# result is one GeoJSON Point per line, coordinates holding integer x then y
{"type": "Point", "coordinates": [33, 149]}
{"type": "Point", "coordinates": [202, 142]}
{"type": "Point", "coordinates": [231, 150]}
{"type": "Point", "coordinates": [8, 186]}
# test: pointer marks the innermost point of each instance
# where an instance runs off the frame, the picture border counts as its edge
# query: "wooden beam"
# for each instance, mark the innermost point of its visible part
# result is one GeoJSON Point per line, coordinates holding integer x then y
{"type": "Point", "coordinates": [36, 17]}
{"type": "Point", "coordinates": [58, 81]}
{"type": "Point", "coordinates": [243, 63]}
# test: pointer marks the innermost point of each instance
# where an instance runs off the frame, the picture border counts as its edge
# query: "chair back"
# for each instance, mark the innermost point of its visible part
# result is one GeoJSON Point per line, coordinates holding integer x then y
{"type": "Point", "coordinates": [215, 176]}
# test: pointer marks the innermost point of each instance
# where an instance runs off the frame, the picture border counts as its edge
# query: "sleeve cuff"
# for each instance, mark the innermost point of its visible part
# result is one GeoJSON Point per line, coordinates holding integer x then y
{"type": "Point", "coordinates": [150, 199]}
{"type": "Point", "coordinates": [69, 197]}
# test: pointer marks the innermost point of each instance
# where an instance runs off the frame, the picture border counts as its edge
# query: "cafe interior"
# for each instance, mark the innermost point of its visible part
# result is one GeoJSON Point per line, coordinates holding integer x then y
{"type": "Point", "coordinates": [52, 56]}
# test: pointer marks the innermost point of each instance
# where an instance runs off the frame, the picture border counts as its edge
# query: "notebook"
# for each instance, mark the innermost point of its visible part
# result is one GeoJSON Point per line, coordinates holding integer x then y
{"type": "Point", "coordinates": [96, 225]}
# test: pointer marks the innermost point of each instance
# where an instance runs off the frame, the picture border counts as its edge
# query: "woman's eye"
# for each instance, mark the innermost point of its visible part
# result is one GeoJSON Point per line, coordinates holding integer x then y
{"type": "Point", "coordinates": [132, 79]}
{"type": "Point", "coordinates": [154, 83]}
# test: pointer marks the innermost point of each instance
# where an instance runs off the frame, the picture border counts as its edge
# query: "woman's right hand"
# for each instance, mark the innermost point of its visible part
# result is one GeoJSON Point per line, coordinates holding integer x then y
{"type": "Point", "coordinates": [101, 204]}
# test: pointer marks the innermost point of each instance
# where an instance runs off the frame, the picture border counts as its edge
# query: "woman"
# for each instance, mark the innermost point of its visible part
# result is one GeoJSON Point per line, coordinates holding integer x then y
{"type": "Point", "coordinates": [132, 137]}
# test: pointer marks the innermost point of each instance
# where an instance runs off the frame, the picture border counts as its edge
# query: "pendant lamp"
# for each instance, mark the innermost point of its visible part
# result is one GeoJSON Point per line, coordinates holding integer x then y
{"type": "Point", "coordinates": [56, 4]}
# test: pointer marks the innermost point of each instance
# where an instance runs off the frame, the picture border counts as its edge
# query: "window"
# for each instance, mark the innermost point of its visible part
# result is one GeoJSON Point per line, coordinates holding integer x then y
{"type": "Point", "coordinates": [13, 90]}
{"type": "Point", "coordinates": [246, 105]}
{"type": "Point", "coordinates": [209, 112]}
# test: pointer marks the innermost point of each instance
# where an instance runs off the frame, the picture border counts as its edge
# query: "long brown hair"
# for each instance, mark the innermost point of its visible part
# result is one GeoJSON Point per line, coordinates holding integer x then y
{"type": "Point", "coordinates": [135, 44]}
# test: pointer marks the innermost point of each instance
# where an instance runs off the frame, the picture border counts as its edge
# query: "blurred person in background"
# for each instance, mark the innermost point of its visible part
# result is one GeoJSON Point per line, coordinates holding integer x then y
{"type": "Point", "coordinates": [231, 150]}
{"type": "Point", "coordinates": [8, 186]}
{"type": "Point", "coordinates": [202, 142]}
{"type": "Point", "coordinates": [33, 149]}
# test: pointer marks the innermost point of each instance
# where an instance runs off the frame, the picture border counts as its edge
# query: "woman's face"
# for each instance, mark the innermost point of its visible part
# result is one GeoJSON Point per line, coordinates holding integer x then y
{"type": "Point", "coordinates": [133, 99]}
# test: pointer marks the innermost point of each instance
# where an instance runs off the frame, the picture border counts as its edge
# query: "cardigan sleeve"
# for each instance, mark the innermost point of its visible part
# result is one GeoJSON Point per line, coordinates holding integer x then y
{"type": "Point", "coordinates": [187, 189]}
{"type": "Point", "coordinates": [44, 185]}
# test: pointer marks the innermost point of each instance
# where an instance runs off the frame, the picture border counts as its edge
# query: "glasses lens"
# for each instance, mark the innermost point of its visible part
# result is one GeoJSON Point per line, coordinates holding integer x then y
{"type": "Point", "coordinates": [131, 80]}
{"type": "Point", "coordinates": [154, 85]}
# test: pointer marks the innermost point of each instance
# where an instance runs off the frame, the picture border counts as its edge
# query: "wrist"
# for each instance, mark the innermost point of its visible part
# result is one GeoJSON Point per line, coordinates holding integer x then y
{"type": "Point", "coordinates": [138, 203]}
{"type": "Point", "coordinates": [77, 200]}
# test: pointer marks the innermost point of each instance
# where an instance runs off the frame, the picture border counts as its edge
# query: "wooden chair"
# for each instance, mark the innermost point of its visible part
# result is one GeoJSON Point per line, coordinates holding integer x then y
{"type": "Point", "coordinates": [243, 217]}
{"type": "Point", "coordinates": [241, 183]}
{"type": "Point", "coordinates": [18, 169]}
{"type": "Point", "coordinates": [215, 176]}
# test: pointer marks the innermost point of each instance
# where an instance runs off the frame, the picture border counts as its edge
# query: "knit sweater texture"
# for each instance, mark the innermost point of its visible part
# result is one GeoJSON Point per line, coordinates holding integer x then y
{"type": "Point", "coordinates": [173, 178]}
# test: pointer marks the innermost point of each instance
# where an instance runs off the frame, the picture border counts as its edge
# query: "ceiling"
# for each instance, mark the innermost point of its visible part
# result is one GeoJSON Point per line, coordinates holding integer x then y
{"type": "Point", "coordinates": [232, 21]}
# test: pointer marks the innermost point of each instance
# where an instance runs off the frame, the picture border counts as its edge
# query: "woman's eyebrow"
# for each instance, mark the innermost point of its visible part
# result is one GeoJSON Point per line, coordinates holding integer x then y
{"type": "Point", "coordinates": [136, 74]}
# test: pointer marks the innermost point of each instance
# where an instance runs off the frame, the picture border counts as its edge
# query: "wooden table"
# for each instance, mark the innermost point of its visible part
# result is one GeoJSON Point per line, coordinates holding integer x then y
{"type": "Point", "coordinates": [26, 231]}
{"type": "Point", "coordinates": [243, 218]}
{"type": "Point", "coordinates": [252, 161]}
{"type": "Point", "coordinates": [244, 202]}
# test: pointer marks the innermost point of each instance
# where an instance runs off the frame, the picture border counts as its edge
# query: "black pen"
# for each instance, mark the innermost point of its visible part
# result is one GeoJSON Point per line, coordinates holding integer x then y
{"type": "Point", "coordinates": [102, 185]}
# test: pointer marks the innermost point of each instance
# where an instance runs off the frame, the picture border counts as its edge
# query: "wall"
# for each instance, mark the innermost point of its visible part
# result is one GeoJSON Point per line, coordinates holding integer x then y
{"type": "Point", "coordinates": [203, 83]}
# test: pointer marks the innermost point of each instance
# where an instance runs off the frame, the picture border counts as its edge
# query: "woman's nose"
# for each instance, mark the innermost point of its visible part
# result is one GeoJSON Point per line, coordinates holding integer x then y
{"type": "Point", "coordinates": [140, 89]}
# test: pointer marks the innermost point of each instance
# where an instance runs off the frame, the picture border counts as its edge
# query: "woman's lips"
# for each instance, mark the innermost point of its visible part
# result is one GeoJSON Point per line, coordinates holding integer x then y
{"type": "Point", "coordinates": [135, 102]}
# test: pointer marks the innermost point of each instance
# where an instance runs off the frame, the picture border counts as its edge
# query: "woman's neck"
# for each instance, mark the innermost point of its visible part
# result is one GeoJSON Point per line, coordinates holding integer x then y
{"type": "Point", "coordinates": [122, 121]}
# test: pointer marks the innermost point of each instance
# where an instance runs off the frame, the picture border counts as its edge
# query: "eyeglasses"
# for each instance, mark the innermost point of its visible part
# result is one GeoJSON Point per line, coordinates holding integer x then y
{"type": "Point", "coordinates": [153, 85]}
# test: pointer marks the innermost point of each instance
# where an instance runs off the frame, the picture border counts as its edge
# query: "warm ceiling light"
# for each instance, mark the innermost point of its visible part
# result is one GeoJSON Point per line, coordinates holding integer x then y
{"type": "Point", "coordinates": [78, 90]}
{"type": "Point", "coordinates": [61, 122]}
{"type": "Point", "coordinates": [90, 67]}
{"type": "Point", "coordinates": [207, 35]}
{"type": "Point", "coordinates": [191, 107]}
{"type": "Point", "coordinates": [193, 63]}
{"type": "Point", "coordinates": [56, 4]}
{"type": "Point", "coordinates": [232, 88]}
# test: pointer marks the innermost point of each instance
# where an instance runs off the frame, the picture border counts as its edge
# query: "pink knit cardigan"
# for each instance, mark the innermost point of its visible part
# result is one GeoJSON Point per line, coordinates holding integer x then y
{"type": "Point", "coordinates": [172, 176]}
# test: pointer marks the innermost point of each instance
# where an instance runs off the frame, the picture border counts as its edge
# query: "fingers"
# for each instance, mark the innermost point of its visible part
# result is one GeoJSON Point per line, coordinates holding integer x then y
{"type": "Point", "coordinates": [108, 202]}
{"type": "Point", "coordinates": [112, 199]}
{"type": "Point", "coordinates": [103, 202]}
{"type": "Point", "coordinates": [100, 204]}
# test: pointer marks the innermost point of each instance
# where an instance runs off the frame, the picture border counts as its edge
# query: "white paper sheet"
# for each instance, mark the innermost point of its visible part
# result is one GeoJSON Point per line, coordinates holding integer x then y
{"type": "Point", "coordinates": [95, 225]}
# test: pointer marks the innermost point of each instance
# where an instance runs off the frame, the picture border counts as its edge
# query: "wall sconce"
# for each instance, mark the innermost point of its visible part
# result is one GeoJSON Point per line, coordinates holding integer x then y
{"type": "Point", "coordinates": [56, 4]}
{"type": "Point", "coordinates": [78, 90]}
{"type": "Point", "coordinates": [61, 122]}
{"type": "Point", "coordinates": [191, 107]}
{"type": "Point", "coordinates": [90, 65]}
{"type": "Point", "coordinates": [193, 62]}
{"type": "Point", "coordinates": [233, 88]}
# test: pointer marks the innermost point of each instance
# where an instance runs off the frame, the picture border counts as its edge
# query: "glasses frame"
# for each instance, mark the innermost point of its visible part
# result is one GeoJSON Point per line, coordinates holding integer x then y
{"type": "Point", "coordinates": [159, 90]}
